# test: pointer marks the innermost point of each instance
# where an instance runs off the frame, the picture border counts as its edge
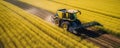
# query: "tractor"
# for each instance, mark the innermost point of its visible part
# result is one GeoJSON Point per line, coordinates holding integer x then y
{"type": "Point", "coordinates": [67, 19]}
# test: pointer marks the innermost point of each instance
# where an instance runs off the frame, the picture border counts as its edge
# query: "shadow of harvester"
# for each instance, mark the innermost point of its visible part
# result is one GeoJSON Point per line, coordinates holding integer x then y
{"type": "Point", "coordinates": [90, 33]}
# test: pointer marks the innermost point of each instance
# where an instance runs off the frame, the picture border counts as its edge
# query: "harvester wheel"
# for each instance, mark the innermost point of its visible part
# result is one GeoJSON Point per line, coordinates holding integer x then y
{"type": "Point", "coordinates": [64, 25]}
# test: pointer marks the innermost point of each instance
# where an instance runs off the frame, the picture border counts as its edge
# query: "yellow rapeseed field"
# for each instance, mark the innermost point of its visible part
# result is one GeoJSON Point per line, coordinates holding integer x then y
{"type": "Point", "coordinates": [19, 29]}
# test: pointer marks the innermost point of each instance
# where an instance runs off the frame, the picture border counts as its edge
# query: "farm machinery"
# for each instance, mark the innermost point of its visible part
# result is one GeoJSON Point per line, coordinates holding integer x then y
{"type": "Point", "coordinates": [68, 20]}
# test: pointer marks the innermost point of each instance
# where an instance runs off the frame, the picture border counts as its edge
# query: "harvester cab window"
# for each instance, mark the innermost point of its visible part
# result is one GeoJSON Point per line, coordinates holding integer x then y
{"type": "Point", "coordinates": [72, 16]}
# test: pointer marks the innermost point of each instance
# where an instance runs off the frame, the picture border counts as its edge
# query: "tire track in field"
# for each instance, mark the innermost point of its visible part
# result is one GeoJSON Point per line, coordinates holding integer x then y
{"type": "Point", "coordinates": [115, 42]}
{"type": "Point", "coordinates": [104, 41]}
{"type": "Point", "coordinates": [44, 14]}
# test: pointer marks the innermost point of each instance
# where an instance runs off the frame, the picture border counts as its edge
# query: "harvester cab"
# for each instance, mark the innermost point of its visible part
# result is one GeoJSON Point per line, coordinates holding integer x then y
{"type": "Point", "coordinates": [67, 19]}
{"type": "Point", "coordinates": [70, 15]}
